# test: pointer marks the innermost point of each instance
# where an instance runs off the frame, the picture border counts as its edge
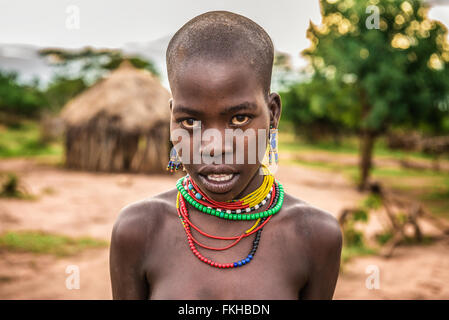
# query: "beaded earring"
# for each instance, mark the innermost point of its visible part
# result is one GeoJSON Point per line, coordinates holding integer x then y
{"type": "Point", "coordinates": [273, 151]}
{"type": "Point", "coordinates": [175, 162]}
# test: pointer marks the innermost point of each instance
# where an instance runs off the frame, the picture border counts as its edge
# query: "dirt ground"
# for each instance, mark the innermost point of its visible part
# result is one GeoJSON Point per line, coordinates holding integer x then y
{"type": "Point", "coordinates": [79, 204]}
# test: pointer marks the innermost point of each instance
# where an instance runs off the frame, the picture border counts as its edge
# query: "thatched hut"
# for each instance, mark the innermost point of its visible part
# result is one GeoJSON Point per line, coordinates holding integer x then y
{"type": "Point", "coordinates": [119, 124]}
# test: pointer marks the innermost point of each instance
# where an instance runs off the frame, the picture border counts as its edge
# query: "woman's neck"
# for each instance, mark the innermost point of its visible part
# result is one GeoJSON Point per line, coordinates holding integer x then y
{"type": "Point", "coordinates": [253, 184]}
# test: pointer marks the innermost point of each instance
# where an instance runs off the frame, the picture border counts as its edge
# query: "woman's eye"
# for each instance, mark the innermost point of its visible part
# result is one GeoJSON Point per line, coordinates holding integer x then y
{"type": "Point", "coordinates": [190, 123]}
{"type": "Point", "coordinates": [239, 120]}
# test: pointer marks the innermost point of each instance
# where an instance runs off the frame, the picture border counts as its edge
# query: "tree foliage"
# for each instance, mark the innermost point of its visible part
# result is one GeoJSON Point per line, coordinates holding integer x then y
{"type": "Point", "coordinates": [316, 108]}
{"type": "Point", "coordinates": [75, 71]}
{"type": "Point", "coordinates": [371, 79]}
{"type": "Point", "coordinates": [400, 71]}
{"type": "Point", "coordinates": [19, 99]}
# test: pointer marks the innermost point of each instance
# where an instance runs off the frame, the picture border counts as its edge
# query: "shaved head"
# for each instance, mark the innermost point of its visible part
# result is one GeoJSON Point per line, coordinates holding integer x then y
{"type": "Point", "coordinates": [222, 36]}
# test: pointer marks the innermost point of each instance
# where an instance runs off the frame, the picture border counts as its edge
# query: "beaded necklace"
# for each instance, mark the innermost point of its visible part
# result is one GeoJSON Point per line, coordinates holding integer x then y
{"type": "Point", "coordinates": [251, 202]}
{"type": "Point", "coordinates": [270, 191]}
{"type": "Point", "coordinates": [225, 211]}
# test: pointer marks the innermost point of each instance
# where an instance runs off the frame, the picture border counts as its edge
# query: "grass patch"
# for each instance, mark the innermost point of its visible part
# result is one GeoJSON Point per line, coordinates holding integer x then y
{"type": "Point", "coordinates": [439, 208]}
{"type": "Point", "coordinates": [350, 171]}
{"type": "Point", "coordinates": [48, 191]}
{"type": "Point", "coordinates": [440, 191]}
{"type": "Point", "coordinates": [349, 252]}
{"type": "Point", "coordinates": [12, 188]}
{"type": "Point", "coordinates": [25, 141]}
{"type": "Point", "coordinates": [384, 237]}
{"type": "Point", "coordinates": [289, 142]}
{"type": "Point", "coordinates": [354, 243]}
{"type": "Point", "coordinates": [427, 186]}
{"type": "Point", "coordinates": [410, 241]}
{"type": "Point", "coordinates": [405, 172]}
{"type": "Point", "coordinates": [348, 145]}
{"type": "Point", "coordinates": [46, 243]}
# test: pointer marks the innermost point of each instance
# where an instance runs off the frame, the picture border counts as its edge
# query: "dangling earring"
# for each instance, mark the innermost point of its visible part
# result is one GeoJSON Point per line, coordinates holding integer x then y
{"type": "Point", "coordinates": [273, 153]}
{"type": "Point", "coordinates": [175, 162]}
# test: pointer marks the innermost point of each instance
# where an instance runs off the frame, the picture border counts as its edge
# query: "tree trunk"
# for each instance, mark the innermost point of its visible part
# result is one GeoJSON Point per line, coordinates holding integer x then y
{"type": "Point", "coordinates": [366, 155]}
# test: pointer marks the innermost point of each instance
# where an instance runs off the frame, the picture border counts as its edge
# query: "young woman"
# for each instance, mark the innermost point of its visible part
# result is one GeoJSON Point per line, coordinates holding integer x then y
{"type": "Point", "coordinates": [228, 229]}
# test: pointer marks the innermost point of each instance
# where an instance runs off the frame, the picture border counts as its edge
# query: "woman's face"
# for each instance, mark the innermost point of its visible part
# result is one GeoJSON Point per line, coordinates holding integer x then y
{"type": "Point", "coordinates": [214, 103]}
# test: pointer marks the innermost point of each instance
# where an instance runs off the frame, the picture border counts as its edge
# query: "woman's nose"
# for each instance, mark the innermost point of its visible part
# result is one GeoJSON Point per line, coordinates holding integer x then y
{"type": "Point", "coordinates": [215, 144]}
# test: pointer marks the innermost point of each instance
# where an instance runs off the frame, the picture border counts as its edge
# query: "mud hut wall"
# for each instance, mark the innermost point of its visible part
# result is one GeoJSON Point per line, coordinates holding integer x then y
{"type": "Point", "coordinates": [95, 147]}
{"type": "Point", "coordinates": [153, 150]}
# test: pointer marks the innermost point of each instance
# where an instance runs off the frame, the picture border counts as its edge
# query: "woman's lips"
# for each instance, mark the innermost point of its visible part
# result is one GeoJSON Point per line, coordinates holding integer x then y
{"type": "Point", "coordinates": [219, 182]}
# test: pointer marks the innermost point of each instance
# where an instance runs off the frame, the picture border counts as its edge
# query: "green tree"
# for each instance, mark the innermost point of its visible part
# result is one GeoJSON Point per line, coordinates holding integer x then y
{"type": "Point", "coordinates": [397, 74]}
{"type": "Point", "coordinates": [18, 99]}
{"type": "Point", "coordinates": [316, 109]}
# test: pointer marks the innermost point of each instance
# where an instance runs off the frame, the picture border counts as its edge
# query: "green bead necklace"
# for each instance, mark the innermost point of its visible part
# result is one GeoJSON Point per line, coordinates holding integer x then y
{"type": "Point", "coordinates": [232, 216]}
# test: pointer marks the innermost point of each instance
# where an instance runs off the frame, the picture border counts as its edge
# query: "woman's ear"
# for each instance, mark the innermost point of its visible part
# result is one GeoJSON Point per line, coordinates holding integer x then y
{"type": "Point", "coordinates": [275, 107]}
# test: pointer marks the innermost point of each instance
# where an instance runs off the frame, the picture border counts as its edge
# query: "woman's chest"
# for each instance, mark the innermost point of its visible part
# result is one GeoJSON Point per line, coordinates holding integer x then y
{"type": "Point", "coordinates": [199, 284]}
{"type": "Point", "coordinates": [277, 271]}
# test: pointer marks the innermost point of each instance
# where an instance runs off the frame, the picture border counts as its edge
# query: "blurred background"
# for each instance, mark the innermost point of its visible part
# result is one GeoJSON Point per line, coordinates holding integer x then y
{"type": "Point", "coordinates": [364, 133]}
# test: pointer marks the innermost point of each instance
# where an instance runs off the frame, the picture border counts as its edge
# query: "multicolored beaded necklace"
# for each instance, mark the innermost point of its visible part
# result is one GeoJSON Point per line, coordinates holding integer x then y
{"type": "Point", "coordinates": [270, 191]}
{"type": "Point", "coordinates": [224, 209]}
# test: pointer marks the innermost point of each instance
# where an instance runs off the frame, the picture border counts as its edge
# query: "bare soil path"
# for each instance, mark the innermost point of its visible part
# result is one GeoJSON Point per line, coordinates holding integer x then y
{"type": "Point", "coordinates": [81, 203]}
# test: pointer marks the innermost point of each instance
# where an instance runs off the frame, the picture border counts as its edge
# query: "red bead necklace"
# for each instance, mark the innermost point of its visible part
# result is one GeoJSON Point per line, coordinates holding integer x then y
{"type": "Point", "coordinates": [182, 211]}
{"type": "Point", "coordinates": [184, 217]}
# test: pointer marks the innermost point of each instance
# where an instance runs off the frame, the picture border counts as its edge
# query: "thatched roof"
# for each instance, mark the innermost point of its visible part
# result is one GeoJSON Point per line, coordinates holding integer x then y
{"type": "Point", "coordinates": [133, 97]}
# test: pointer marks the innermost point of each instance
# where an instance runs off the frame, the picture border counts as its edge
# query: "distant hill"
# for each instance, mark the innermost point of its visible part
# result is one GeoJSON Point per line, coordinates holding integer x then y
{"type": "Point", "coordinates": [25, 60]}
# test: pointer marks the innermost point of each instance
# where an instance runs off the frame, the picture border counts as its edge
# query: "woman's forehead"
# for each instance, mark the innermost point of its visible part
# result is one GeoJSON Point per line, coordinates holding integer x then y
{"type": "Point", "coordinates": [218, 83]}
{"type": "Point", "coordinates": [214, 75]}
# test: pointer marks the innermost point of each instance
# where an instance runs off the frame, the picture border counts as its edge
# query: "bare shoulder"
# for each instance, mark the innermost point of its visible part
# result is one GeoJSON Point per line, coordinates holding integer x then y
{"type": "Point", "coordinates": [138, 222]}
{"type": "Point", "coordinates": [317, 240]}
{"type": "Point", "coordinates": [318, 227]}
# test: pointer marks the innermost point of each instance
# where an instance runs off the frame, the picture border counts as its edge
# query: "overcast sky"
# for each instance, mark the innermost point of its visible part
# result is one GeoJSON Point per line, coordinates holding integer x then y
{"type": "Point", "coordinates": [112, 23]}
